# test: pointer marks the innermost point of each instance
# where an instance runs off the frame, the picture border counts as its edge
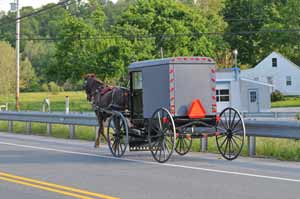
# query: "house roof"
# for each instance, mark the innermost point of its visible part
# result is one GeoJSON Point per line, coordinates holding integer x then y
{"type": "Point", "coordinates": [277, 53]}
{"type": "Point", "coordinates": [256, 82]}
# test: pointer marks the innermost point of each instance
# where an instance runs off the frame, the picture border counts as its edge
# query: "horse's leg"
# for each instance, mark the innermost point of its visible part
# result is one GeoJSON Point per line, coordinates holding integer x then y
{"type": "Point", "coordinates": [102, 130]}
{"type": "Point", "coordinates": [100, 122]}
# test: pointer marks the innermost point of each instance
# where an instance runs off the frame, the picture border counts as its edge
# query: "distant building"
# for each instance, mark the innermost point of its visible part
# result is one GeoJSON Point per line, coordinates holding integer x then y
{"type": "Point", "coordinates": [277, 70]}
{"type": "Point", "coordinates": [244, 94]}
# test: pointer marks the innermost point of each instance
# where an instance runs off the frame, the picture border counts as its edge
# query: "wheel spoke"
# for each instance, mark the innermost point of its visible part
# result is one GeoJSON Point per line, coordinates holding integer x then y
{"type": "Point", "coordinates": [229, 151]}
{"type": "Point", "coordinates": [223, 142]}
{"type": "Point", "coordinates": [226, 146]}
{"type": "Point", "coordinates": [236, 136]}
{"type": "Point", "coordinates": [237, 130]}
{"type": "Point", "coordinates": [234, 141]}
{"type": "Point", "coordinates": [233, 120]}
{"type": "Point", "coordinates": [221, 129]}
{"type": "Point", "coordinates": [237, 123]}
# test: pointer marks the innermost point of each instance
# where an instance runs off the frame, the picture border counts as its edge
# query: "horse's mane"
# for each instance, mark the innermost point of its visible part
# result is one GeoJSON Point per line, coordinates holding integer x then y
{"type": "Point", "coordinates": [93, 76]}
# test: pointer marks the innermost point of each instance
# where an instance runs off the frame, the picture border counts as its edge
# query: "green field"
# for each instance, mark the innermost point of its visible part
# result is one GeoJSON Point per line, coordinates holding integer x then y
{"type": "Point", "coordinates": [34, 101]}
{"type": "Point", "coordinates": [78, 102]}
{"type": "Point", "coordinates": [287, 102]}
{"type": "Point", "coordinates": [282, 149]}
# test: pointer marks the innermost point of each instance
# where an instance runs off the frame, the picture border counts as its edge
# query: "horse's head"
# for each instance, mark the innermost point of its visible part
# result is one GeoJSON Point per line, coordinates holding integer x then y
{"type": "Point", "coordinates": [90, 85]}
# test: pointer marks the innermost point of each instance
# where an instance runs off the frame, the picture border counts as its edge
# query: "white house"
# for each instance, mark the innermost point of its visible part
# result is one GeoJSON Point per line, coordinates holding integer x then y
{"type": "Point", "coordinates": [244, 94]}
{"type": "Point", "coordinates": [277, 70]}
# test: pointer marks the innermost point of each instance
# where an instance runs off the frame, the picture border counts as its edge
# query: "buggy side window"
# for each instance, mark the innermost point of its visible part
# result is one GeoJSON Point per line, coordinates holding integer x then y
{"type": "Point", "coordinates": [137, 80]}
{"type": "Point", "coordinates": [136, 95]}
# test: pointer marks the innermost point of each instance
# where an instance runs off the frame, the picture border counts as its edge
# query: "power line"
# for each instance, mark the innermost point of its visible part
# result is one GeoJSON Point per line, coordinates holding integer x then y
{"type": "Point", "coordinates": [137, 36]}
{"type": "Point", "coordinates": [39, 11]}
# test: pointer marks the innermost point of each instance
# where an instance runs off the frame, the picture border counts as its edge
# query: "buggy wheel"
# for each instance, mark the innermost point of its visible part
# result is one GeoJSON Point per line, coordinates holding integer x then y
{"type": "Point", "coordinates": [183, 144]}
{"type": "Point", "coordinates": [117, 134]}
{"type": "Point", "coordinates": [162, 135]}
{"type": "Point", "coordinates": [231, 133]}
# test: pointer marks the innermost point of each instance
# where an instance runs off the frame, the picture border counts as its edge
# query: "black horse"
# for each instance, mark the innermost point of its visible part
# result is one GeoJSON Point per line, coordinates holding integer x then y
{"type": "Point", "coordinates": [106, 97]}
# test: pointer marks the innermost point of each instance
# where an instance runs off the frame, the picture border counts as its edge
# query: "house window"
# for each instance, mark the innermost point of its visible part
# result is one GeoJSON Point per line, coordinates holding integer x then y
{"type": "Point", "coordinates": [252, 96]}
{"type": "Point", "coordinates": [288, 80]}
{"type": "Point", "coordinates": [270, 80]}
{"type": "Point", "coordinates": [222, 95]}
{"type": "Point", "coordinates": [274, 62]}
{"type": "Point", "coordinates": [256, 78]}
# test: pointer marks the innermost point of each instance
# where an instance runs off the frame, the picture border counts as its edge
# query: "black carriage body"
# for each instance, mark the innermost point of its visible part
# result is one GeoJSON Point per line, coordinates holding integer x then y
{"type": "Point", "coordinates": [172, 83]}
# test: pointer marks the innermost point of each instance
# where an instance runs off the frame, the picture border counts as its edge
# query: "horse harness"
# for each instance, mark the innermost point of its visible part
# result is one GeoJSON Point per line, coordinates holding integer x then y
{"type": "Point", "coordinates": [103, 90]}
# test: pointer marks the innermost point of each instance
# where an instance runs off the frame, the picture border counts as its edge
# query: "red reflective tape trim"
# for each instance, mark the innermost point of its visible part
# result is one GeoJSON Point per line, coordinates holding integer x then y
{"type": "Point", "coordinates": [172, 89]}
{"type": "Point", "coordinates": [172, 80]}
{"type": "Point", "coordinates": [214, 111]}
{"type": "Point", "coordinates": [213, 70]}
{"type": "Point", "coordinates": [213, 79]}
{"type": "Point", "coordinates": [171, 71]}
{"type": "Point", "coordinates": [204, 58]}
{"type": "Point", "coordinates": [209, 60]}
{"type": "Point", "coordinates": [213, 89]}
{"type": "Point", "coordinates": [172, 98]}
{"type": "Point", "coordinates": [198, 59]}
{"type": "Point", "coordinates": [185, 58]}
{"type": "Point", "coordinates": [179, 58]}
{"type": "Point", "coordinates": [214, 97]}
{"type": "Point", "coordinates": [172, 106]}
{"type": "Point", "coordinates": [192, 58]}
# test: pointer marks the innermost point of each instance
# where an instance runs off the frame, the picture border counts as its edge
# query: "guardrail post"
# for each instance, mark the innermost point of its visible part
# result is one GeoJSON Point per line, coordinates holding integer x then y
{"type": "Point", "coordinates": [49, 129]}
{"type": "Point", "coordinates": [203, 142]}
{"type": "Point", "coordinates": [10, 126]}
{"type": "Point", "coordinates": [251, 146]}
{"type": "Point", "coordinates": [28, 128]}
{"type": "Point", "coordinates": [71, 131]}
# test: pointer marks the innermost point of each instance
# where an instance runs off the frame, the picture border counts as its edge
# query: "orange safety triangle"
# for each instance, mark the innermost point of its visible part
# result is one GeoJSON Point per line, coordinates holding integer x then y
{"type": "Point", "coordinates": [196, 110]}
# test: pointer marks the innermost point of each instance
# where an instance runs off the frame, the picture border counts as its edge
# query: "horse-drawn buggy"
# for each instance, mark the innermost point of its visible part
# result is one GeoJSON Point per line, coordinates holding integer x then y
{"type": "Point", "coordinates": [170, 102]}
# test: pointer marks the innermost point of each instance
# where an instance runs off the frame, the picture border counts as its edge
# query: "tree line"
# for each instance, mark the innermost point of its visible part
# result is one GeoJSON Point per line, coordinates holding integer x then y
{"type": "Point", "coordinates": [63, 43]}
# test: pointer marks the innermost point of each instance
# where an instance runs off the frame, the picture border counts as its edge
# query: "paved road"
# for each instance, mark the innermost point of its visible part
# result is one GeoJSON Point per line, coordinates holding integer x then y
{"type": "Point", "coordinates": [76, 167]}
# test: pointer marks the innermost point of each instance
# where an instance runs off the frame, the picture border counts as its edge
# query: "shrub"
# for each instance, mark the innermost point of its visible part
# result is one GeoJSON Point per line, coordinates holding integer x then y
{"type": "Point", "coordinates": [45, 87]}
{"type": "Point", "coordinates": [54, 88]}
{"type": "Point", "coordinates": [277, 96]}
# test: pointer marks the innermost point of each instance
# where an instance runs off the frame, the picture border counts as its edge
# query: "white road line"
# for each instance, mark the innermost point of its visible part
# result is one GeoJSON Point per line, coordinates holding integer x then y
{"type": "Point", "coordinates": [155, 163]}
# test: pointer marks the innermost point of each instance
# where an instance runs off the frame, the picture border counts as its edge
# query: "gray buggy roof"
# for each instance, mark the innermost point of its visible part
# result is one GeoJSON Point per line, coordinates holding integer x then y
{"type": "Point", "coordinates": [172, 60]}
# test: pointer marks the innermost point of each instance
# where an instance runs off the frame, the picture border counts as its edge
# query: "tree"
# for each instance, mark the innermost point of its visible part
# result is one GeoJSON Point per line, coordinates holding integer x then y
{"type": "Point", "coordinates": [178, 29]}
{"type": "Point", "coordinates": [7, 68]}
{"type": "Point", "coordinates": [82, 50]}
{"type": "Point", "coordinates": [41, 55]}
{"type": "Point", "coordinates": [285, 16]}
{"type": "Point", "coordinates": [28, 78]}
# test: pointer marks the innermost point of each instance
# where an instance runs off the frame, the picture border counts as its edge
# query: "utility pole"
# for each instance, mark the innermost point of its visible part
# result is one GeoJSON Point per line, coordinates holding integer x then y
{"type": "Point", "coordinates": [17, 56]}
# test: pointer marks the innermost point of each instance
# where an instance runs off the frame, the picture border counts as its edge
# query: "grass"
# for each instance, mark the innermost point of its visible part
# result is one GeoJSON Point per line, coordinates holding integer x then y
{"type": "Point", "coordinates": [34, 101]}
{"type": "Point", "coordinates": [289, 101]}
{"type": "Point", "coordinates": [283, 149]}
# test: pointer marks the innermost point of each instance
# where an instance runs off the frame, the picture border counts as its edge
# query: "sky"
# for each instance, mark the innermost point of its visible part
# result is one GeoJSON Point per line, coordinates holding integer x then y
{"type": "Point", "coordinates": [5, 4]}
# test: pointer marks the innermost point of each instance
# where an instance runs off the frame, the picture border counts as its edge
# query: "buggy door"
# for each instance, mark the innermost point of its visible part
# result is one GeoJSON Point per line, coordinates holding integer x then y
{"type": "Point", "coordinates": [136, 87]}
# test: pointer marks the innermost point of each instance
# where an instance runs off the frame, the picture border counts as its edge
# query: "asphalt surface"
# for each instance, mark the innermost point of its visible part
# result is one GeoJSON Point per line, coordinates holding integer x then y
{"type": "Point", "coordinates": [77, 164]}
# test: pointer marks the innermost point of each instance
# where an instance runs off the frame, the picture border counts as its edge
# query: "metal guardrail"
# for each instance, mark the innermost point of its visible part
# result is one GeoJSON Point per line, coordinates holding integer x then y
{"type": "Point", "coordinates": [275, 115]}
{"type": "Point", "coordinates": [258, 127]}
